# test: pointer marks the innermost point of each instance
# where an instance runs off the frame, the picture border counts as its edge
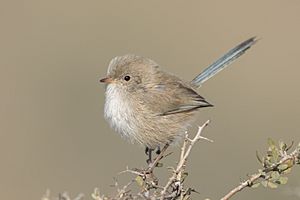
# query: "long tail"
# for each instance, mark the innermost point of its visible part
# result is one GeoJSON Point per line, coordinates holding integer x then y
{"type": "Point", "coordinates": [223, 62]}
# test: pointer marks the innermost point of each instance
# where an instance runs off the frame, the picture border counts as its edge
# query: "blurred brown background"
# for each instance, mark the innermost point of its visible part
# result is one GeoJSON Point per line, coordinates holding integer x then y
{"type": "Point", "coordinates": [53, 134]}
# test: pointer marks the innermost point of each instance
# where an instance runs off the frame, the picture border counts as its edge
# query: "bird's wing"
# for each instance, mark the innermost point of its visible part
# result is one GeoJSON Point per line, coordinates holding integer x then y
{"type": "Point", "coordinates": [173, 97]}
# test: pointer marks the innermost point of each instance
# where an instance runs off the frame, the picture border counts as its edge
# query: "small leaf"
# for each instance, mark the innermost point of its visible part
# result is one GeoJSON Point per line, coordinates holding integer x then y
{"type": "Point", "coordinates": [264, 183]}
{"type": "Point", "coordinates": [139, 180]}
{"type": "Point", "coordinates": [282, 146]}
{"type": "Point", "coordinates": [290, 163]}
{"type": "Point", "coordinates": [259, 158]}
{"type": "Point", "coordinates": [275, 176]}
{"type": "Point", "coordinates": [287, 171]}
{"type": "Point", "coordinates": [283, 167]}
{"type": "Point", "coordinates": [267, 162]}
{"type": "Point", "coordinates": [272, 185]}
{"type": "Point", "coordinates": [275, 154]}
{"type": "Point", "coordinates": [159, 165]}
{"type": "Point", "coordinates": [289, 147]}
{"type": "Point", "coordinates": [184, 175]}
{"type": "Point", "coordinates": [255, 185]}
{"type": "Point", "coordinates": [282, 180]}
{"type": "Point", "coordinates": [271, 142]}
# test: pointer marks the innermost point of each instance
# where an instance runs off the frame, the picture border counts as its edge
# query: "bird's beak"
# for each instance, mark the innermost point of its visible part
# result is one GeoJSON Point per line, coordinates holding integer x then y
{"type": "Point", "coordinates": [106, 80]}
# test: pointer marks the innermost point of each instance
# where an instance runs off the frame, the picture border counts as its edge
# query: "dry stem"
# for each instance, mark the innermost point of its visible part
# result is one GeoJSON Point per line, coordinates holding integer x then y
{"type": "Point", "coordinates": [249, 182]}
{"type": "Point", "coordinates": [185, 152]}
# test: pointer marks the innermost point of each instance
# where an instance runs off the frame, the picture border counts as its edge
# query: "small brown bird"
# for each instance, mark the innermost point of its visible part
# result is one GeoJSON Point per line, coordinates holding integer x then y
{"type": "Point", "coordinates": [147, 105]}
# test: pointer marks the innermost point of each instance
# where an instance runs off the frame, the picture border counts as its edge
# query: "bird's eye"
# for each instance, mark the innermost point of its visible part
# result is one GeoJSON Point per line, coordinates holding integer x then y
{"type": "Point", "coordinates": [126, 78]}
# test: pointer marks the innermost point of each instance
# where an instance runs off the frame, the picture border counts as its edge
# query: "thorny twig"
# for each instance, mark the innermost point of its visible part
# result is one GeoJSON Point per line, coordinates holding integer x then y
{"type": "Point", "coordinates": [123, 191]}
{"type": "Point", "coordinates": [185, 152]}
{"type": "Point", "coordinates": [293, 157]}
{"type": "Point", "coordinates": [148, 181]}
{"type": "Point", "coordinates": [277, 161]}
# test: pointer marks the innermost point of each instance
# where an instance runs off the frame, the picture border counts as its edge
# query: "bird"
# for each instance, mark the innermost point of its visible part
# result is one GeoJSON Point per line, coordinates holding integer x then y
{"type": "Point", "coordinates": [152, 107]}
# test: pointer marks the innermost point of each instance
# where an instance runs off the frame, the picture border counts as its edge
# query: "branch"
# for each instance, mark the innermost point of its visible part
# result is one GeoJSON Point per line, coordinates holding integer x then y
{"type": "Point", "coordinates": [272, 171]}
{"type": "Point", "coordinates": [275, 164]}
{"type": "Point", "coordinates": [177, 173]}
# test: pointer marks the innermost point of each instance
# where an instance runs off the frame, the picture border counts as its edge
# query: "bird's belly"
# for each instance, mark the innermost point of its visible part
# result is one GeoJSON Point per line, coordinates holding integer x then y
{"type": "Point", "coordinates": [148, 129]}
{"type": "Point", "coordinates": [118, 113]}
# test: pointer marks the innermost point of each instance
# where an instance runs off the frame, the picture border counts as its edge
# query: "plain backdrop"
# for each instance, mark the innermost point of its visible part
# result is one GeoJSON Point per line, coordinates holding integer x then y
{"type": "Point", "coordinates": [52, 54]}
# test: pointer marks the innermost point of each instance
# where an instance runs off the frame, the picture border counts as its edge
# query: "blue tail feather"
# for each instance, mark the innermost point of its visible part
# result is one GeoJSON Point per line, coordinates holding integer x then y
{"type": "Point", "coordinates": [223, 62]}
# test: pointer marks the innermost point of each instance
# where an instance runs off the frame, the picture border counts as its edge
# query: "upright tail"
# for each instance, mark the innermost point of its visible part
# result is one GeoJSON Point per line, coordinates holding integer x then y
{"type": "Point", "coordinates": [223, 62]}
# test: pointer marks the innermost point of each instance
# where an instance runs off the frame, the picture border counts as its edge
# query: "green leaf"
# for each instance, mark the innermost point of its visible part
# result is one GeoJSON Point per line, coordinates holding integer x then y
{"type": "Point", "coordinates": [287, 171]}
{"type": "Point", "coordinates": [259, 158]}
{"type": "Point", "coordinates": [159, 165]}
{"type": "Point", "coordinates": [275, 176]}
{"type": "Point", "coordinates": [139, 180]}
{"type": "Point", "coordinates": [290, 163]}
{"type": "Point", "coordinates": [255, 185]}
{"type": "Point", "coordinates": [282, 146]}
{"type": "Point", "coordinates": [271, 142]}
{"type": "Point", "coordinates": [282, 180]}
{"type": "Point", "coordinates": [264, 183]}
{"type": "Point", "coordinates": [283, 167]}
{"type": "Point", "coordinates": [272, 185]}
{"type": "Point", "coordinates": [275, 154]}
{"type": "Point", "coordinates": [290, 146]}
{"type": "Point", "coordinates": [267, 162]}
{"type": "Point", "coordinates": [184, 175]}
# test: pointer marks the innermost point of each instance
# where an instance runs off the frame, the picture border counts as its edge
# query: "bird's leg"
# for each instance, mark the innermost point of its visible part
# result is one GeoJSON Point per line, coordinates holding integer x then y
{"type": "Point", "coordinates": [158, 151]}
{"type": "Point", "coordinates": [148, 152]}
{"type": "Point", "coordinates": [153, 164]}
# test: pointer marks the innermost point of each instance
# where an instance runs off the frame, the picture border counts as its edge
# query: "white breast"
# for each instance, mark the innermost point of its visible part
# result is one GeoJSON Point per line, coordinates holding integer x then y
{"type": "Point", "coordinates": [118, 113]}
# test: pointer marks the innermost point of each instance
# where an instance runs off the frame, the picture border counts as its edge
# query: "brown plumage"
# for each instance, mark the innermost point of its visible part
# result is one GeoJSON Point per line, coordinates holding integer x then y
{"type": "Point", "coordinates": [150, 106]}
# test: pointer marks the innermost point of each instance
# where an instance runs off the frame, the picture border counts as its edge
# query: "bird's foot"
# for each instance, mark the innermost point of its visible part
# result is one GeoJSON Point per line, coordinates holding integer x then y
{"type": "Point", "coordinates": [155, 162]}
{"type": "Point", "coordinates": [148, 152]}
